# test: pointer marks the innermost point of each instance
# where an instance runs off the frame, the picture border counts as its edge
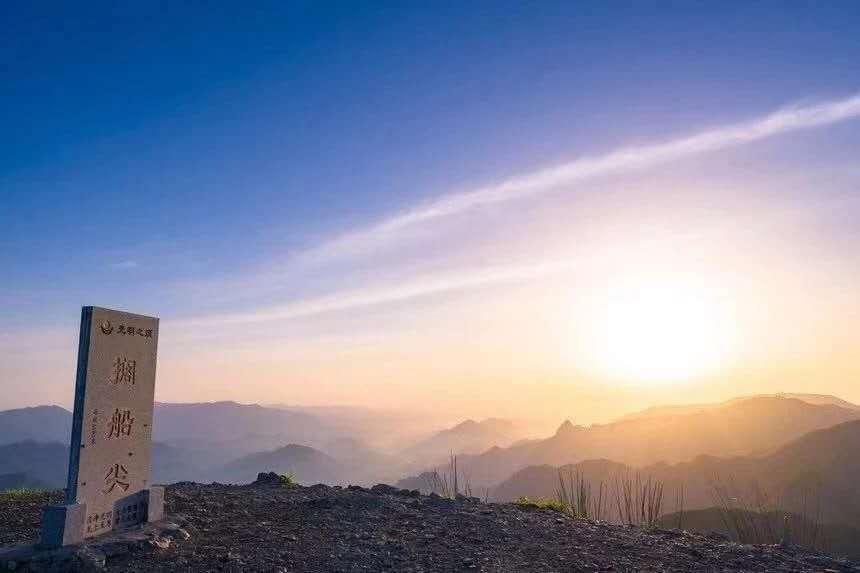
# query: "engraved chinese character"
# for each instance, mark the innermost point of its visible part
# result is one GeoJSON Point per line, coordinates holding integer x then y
{"type": "Point", "coordinates": [148, 333]}
{"type": "Point", "coordinates": [120, 424]}
{"type": "Point", "coordinates": [121, 329]}
{"type": "Point", "coordinates": [123, 371]}
{"type": "Point", "coordinates": [140, 332]}
{"type": "Point", "coordinates": [115, 478]}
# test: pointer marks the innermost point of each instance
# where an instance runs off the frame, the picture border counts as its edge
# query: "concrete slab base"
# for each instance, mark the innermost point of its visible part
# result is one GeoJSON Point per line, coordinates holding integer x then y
{"type": "Point", "coordinates": [64, 524]}
{"type": "Point", "coordinates": [155, 503]}
{"type": "Point", "coordinates": [92, 554]}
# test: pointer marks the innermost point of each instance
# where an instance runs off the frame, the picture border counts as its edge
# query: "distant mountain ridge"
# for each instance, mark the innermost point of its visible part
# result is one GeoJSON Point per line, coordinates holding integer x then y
{"type": "Point", "coordinates": [35, 424]}
{"type": "Point", "coordinates": [308, 465]}
{"type": "Point", "coordinates": [821, 399]}
{"type": "Point", "coordinates": [218, 422]}
{"type": "Point", "coordinates": [683, 409]}
{"type": "Point", "coordinates": [37, 462]}
{"type": "Point", "coordinates": [467, 437]}
{"type": "Point", "coordinates": [197, 441]}
{"type": "Point", "coordinates": [744, 427]}
{"type": "Point", "coordinates": [823, 460]}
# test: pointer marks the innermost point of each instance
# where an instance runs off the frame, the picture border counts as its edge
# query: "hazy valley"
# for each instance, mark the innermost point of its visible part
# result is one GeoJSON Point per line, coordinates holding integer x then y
{"type": "Point", "coordinates": [795, 448]}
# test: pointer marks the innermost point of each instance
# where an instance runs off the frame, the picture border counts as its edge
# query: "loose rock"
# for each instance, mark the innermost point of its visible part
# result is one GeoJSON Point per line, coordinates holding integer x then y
{"type": "Point", "coordinates": [267, 526]}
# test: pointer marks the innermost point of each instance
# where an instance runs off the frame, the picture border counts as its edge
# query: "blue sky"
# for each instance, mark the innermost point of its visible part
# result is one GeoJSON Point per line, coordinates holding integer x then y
{"type": "Point", "coordinates": [193, 161]}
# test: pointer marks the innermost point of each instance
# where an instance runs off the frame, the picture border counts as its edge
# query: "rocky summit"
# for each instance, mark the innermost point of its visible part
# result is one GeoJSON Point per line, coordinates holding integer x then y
{"type": "Point", "coordinates": [272, 525]}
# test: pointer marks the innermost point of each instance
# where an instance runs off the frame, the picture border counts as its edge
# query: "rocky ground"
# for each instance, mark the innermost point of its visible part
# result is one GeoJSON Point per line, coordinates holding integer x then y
{"type": "Point", "coordinates": [21, 514]}
{"type": "Point", "coordinates": [267, 526]}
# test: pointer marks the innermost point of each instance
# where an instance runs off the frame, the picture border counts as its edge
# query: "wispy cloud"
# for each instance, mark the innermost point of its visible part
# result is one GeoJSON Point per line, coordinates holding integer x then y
{"type": "Point", "coordinates": [782, 121]}
{"type": "Point", "coordinates": [372, 296]}
{"type": "Point", "coordinates": [529, 184]}
{"type": "Point", "coordinates": [124, 265]}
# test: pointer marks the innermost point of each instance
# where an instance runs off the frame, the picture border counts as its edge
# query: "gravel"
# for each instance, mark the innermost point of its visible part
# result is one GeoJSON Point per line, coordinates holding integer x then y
{"type": "Point", "coordinates": [267, 526]}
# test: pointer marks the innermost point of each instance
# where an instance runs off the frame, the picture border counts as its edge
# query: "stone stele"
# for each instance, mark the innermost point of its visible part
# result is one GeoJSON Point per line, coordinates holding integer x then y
{"type": "Point", "coordinates": [111, 447]}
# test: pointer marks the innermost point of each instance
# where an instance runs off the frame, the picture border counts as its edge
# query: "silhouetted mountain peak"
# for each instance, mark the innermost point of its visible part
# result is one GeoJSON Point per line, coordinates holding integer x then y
{"type": "Point", "coordinates": [308, 464]}
{"type": "Point", "coordinates": [300, 450]}
{"type": "Point", "coordinates": [469, 436]}
{"type": "Point", "coordinates": [38, 423]}
{"type": "Point", "coordinates": [567, 428]}
{"type": "Point", "coordinates": [465, 425]}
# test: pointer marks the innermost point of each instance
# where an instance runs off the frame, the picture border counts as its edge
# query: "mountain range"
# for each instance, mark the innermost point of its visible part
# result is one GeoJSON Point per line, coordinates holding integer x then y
{"type": "Point", "coordinates": [37, 424]}
{"type": "Point", "coordinates": [813, 479]}
{"type": "Point", "coordinates": [782, 442]}
{"type": "Point", "coordinates": [751, 426]}
{"type": "Point", "coordinates": [822, 459]}
{"type": "Point", "coordinates": [225, 440]}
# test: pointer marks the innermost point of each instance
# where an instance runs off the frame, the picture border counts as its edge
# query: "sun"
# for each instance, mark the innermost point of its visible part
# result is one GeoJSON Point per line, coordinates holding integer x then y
{"type": "Point", "coordinates": [663, 329]}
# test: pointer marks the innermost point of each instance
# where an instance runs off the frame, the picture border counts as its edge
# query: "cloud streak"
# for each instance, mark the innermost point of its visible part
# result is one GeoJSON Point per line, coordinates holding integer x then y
{"type": "Point", "coordinates": [368, 297]}
{"type": "Point", "coordinates": [780, 122]}
{"type": "Point", "coordinates": [391, 230]}
{"type": "Point", "coordinates": [124, 265]}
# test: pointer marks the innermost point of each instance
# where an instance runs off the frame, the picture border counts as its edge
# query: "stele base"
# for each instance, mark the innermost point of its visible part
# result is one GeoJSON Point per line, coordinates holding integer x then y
{"type": "Point", "coordinates": [64, 525]}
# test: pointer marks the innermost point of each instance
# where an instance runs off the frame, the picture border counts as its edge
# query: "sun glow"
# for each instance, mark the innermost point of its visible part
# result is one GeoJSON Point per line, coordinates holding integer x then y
{"type": "Point", "coordinates": [661, 330]}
